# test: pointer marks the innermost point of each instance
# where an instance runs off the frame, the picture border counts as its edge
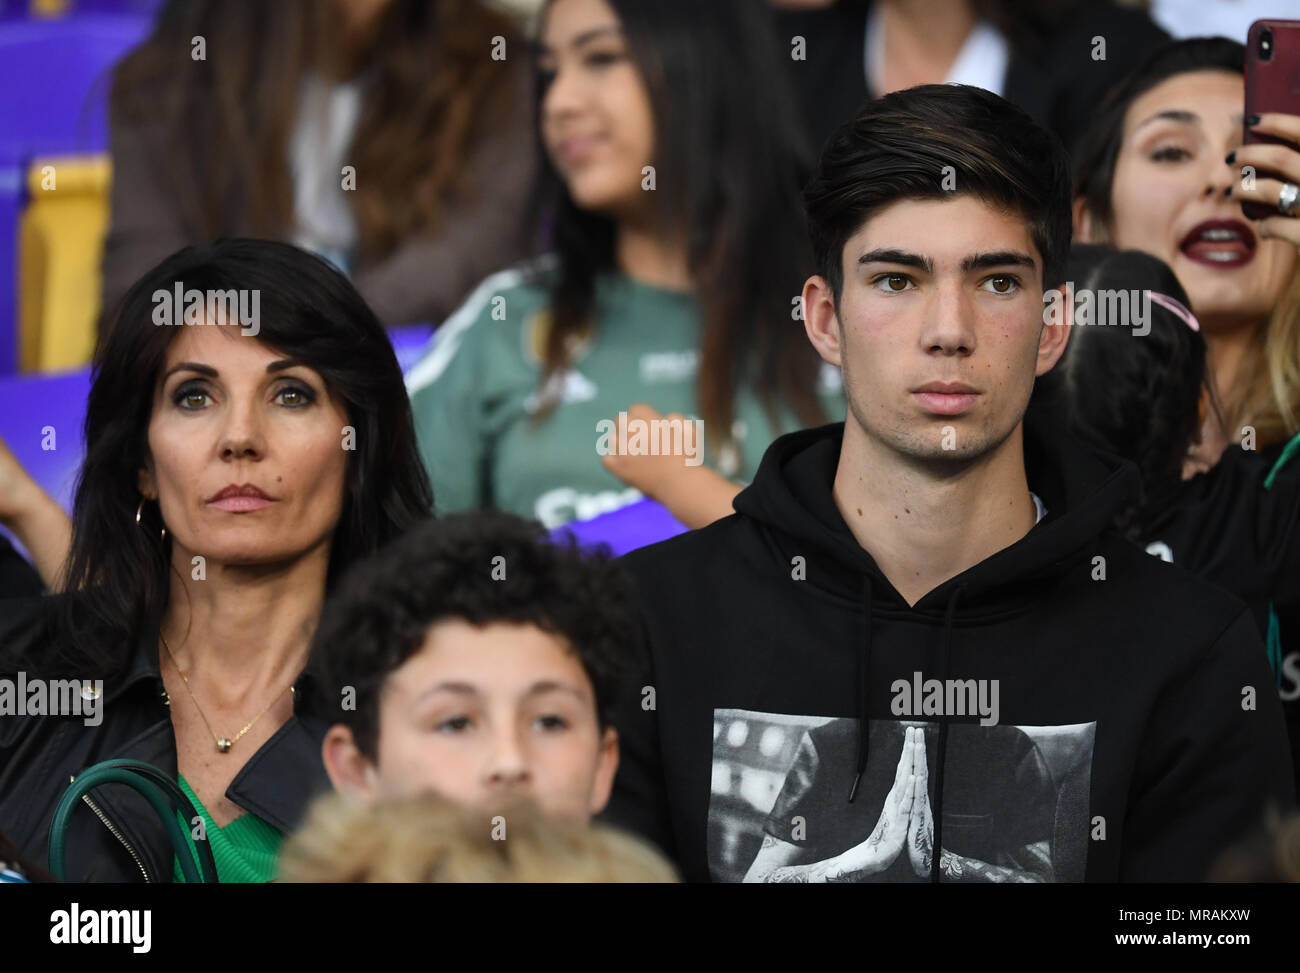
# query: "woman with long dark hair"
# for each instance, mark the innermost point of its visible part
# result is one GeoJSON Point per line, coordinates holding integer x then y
{"type": "Point", "coordinates": [674, 170]}
{"type": "Point", "coordinates": [247, 436]}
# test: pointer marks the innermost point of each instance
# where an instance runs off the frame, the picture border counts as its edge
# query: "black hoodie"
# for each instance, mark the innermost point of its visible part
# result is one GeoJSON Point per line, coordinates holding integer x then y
{"type": "Point", "coordinates": [1134, 733]}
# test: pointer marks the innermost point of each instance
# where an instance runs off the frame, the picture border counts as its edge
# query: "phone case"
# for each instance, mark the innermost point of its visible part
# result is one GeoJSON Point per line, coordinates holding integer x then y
{"type": "Point", "coordinates": [1272, 85]}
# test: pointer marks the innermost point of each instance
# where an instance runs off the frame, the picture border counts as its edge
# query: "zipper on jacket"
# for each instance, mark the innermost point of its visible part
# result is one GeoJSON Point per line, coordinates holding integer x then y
{"type": "Point", "coordinates": [116, 834]}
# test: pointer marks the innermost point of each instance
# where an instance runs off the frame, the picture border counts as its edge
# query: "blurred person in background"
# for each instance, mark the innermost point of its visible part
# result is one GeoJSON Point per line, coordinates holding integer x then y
{"type": "Point", "coordinates": [1160, 171]}
{"type": "Point", "coordinates": [1131, 387]}
{"type": "Point", "coordinates": [1053, 58]}
{"type": "Point", "coordinates": [425, 838]}
{"type": "Point", "coordinates": [1136, 394]}
{"type": "Point", "coordinates": [229, 479]}
{"type": "Point", "coordinates": [674, 166]}
{"type": "Point", "coordinates": [1271, 854]}
{"type": "Point", "coordinates": [389, 136]}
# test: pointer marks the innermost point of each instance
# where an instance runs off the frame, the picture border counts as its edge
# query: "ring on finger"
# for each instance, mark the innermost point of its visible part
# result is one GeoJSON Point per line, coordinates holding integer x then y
{"type": "Point", "coordinates": [1287, 199]}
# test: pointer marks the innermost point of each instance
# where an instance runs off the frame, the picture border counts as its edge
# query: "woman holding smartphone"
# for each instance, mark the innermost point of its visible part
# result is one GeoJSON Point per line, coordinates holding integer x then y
{"type": "Point", "coordinates": [1161, 171]}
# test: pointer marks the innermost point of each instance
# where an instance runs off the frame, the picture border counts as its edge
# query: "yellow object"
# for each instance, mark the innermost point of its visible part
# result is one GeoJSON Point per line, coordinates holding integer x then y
{"type": "Point", "coordinates": [49, 8]}
{"type": "Point", "coordinates": [60, 242]}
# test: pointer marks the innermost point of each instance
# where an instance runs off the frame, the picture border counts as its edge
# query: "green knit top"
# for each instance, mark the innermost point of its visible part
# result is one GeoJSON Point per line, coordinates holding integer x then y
{"type": "Point", "coordinates": [245, 850]}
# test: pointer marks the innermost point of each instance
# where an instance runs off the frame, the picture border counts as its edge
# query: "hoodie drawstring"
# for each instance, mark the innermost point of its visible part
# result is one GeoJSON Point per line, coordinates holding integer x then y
{"type": "Point", "coordinates": [936, 810]}
{"type": "Point", "coordinates": [864, 677]}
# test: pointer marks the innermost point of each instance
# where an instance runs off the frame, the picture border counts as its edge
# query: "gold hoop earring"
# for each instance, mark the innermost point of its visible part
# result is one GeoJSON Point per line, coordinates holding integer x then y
{"type": "Point", "coordinates": [138, 511]}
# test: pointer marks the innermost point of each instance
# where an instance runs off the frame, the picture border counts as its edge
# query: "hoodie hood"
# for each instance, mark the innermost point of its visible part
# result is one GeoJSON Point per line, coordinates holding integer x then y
{"type": "Point", "coordinates": [1083, 491]}
{"type": "Point", "coordinates": [792, 496]}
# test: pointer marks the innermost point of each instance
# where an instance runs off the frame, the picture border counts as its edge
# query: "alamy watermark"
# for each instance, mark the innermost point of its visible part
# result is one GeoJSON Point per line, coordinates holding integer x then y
{"type": "Point", "coordinates": [950, 697]}
{"type": "Point", "coordinates": [1125, 308]}
{"type": "Point", "coordinates": [674, 436]}
{"type": "Point", "coordinates": [78, 926]}
{"type": "Point", "coordinates": [236, 307]}
{"type": "Point", "coordinates": [53, 697]}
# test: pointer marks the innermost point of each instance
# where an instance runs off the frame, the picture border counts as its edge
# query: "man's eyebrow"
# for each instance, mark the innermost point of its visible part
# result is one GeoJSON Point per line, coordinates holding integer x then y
{"type": "Point", "coordinates": [998, 258]}
{"type": "Point", "coordinates": [890, 256]}
{"type": "Point", "coordinates": [1171, 115]}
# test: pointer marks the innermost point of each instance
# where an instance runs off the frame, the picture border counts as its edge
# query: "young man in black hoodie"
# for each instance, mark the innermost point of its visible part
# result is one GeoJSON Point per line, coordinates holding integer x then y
{"type": "Point", "coordinates": [916, 631]}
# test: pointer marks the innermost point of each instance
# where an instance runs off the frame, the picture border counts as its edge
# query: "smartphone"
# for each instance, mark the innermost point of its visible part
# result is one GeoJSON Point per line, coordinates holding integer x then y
{"type": "Point", "coordinates": [1272, 85]}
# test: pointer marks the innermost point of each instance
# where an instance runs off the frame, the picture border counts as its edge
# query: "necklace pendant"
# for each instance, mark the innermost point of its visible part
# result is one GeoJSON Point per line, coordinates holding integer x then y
{"type": "Point", "coordinates": [223, 744]}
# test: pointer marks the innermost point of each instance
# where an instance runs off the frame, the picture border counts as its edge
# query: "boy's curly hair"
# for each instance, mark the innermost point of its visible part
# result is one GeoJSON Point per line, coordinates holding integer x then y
{"type": "Point", "coordinates": [482, 567]}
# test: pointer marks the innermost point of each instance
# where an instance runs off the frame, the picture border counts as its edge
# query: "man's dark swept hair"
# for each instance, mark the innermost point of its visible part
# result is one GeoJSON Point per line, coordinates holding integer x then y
{"type": "Point", "coordinates": [899, 147]}
{"type": "Point", "coordinates": [480, 567]}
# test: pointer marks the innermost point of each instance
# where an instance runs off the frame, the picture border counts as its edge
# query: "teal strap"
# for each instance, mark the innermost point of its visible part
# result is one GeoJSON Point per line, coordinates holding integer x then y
{"type": "Point", "coordinates": [1288, 451]}
{"type": "Point", "coordinates": [166, 799]}
{"type": "Point", "coordinates": [1274, 644]}
{"type": "Point", "coordinates": [1274, 639]}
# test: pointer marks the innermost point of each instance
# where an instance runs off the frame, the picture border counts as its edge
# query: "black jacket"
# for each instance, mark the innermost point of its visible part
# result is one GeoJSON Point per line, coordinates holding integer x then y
{"type": "Point", "coordinates": [1147, 731]}
{"type": "Point", "coordinates": [120, 839]}
{"type": "Point", "coordinates": [1229, 527]}
{"type": "Point", "coordinates": [18, 579]}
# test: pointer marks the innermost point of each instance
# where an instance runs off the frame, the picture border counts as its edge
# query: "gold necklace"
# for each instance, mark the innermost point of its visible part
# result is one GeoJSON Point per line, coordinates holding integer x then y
{"type": "Point", "coordinates": [223, 744]}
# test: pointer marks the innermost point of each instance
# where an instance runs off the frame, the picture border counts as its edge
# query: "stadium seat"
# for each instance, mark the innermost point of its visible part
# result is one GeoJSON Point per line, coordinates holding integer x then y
{"type": "Point", "coordinates": [61, 239]}
{"type": "Point", "coordinates": [54, 83]}
{"type": "Point", "coordinates": [625, 529]}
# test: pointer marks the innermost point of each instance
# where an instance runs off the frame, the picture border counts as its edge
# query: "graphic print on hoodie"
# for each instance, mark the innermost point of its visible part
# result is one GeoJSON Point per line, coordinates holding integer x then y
{"type": "Point", "coordinates": [778, 612]}
{"type": "Point", "coordinates": [1015, 798]}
